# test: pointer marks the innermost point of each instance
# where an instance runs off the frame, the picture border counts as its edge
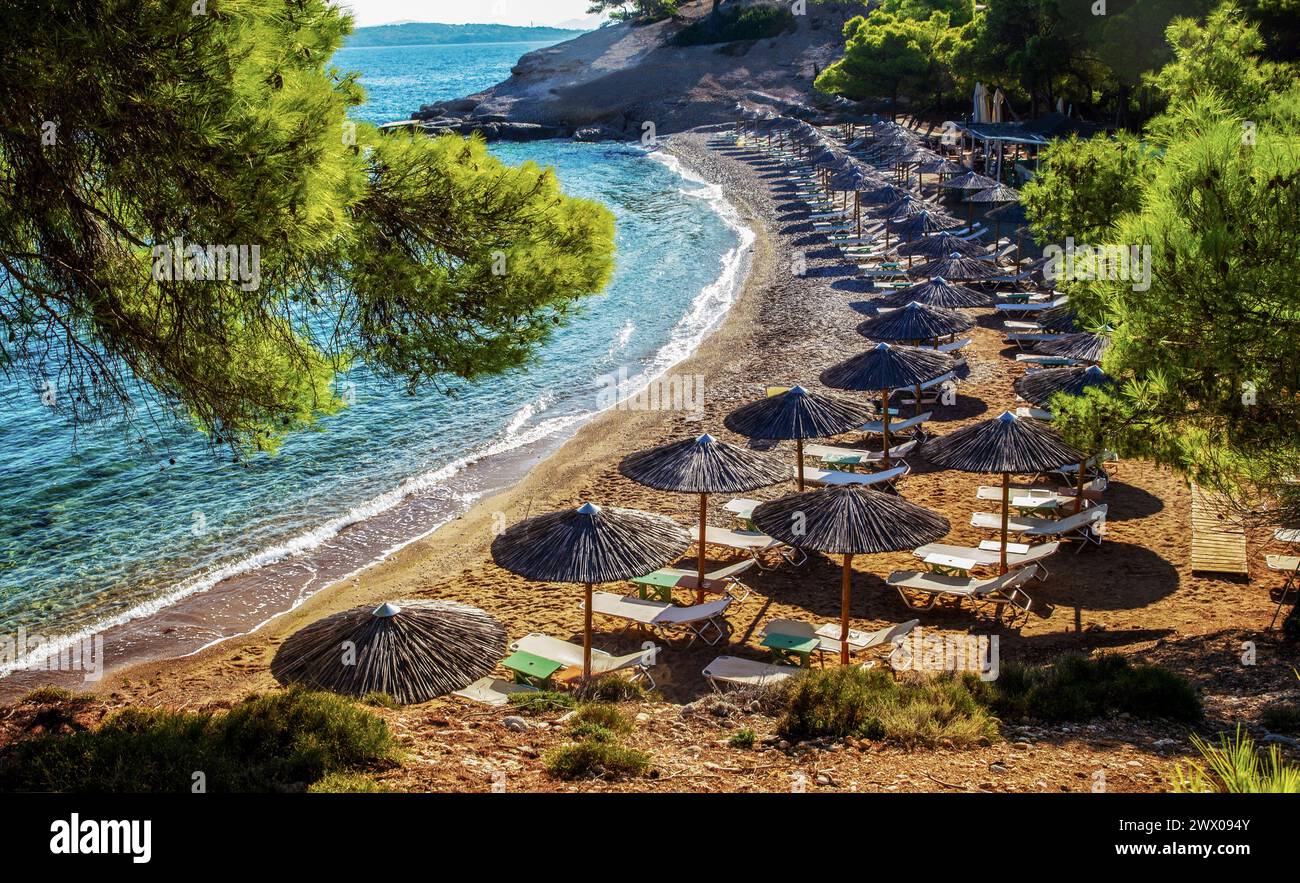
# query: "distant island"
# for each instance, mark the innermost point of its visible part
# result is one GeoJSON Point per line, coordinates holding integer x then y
{"type": "Point", "coordinates": [428, 33]}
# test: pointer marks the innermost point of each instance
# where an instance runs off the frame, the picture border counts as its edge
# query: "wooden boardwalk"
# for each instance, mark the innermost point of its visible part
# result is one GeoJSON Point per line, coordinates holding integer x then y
{"type": "Point", "coordinates": [1218, 544]}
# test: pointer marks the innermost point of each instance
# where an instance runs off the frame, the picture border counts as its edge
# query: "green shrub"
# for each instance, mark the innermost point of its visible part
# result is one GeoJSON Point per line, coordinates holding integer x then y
{"type": "Point", "coordinates": [850, 701]}
{"type": "Point", "coordinates": [759, 22]}
{"type": "Point", "coordinates": [601, 715]}
{"type": "Point", "coordinates": [541, 702]}
{"type": "Point", "coordinates": [269, 742]}
{"type": "Point", "coordinates": [1282, 718]}
{"type": "Point", "coordinates": [596, 759]}
{"type": "Point", "coordinates": [346, 783]}
{"type": "Point", "coordinates": [57, 696]}
{"type": "Point", "coordinates": [376, 699]}
{"type": "Point", "coordinates": [743, 738]}
{"type": "Point", "coordinates": [610, 688]}
{"type": "Point", "coordinates": [1234, 766]}
{"type": "Point", "coordinates": [1079, 688]}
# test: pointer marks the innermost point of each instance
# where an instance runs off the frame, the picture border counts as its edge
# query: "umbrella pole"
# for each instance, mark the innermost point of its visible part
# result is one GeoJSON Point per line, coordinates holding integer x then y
{"type": "Point", "coordinates": [844, 609]}
{"type": "Point", "coordinates": [798, 459]}
{"type": "Point", "coordinates": [704, 512]}
{"type": "Point", "coordinates": [1078, 487]}
{"type": "Point", "coordinates": [586, 637]}
{"type": "Point", "coordinates": [884, 422]}
{"type": "Point", "coordinates": [916, 410]}
{"type": "Point", "coordinates": [1006, 507]}
{"type": "Point", "coordinates": [857, 213]}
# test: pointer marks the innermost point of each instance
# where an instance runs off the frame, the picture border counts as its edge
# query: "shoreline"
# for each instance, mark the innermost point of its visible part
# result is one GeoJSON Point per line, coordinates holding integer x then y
{"type": "Point", "coordinates": [184, 624]}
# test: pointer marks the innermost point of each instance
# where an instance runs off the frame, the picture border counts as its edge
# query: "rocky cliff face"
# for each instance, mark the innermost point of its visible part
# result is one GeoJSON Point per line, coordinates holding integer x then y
{"type": "Point", "coordinates": [609, 83]}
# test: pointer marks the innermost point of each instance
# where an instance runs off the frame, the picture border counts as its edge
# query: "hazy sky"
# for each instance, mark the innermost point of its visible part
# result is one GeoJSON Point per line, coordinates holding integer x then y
{"type": "Point", "coordinates": [507, 12]}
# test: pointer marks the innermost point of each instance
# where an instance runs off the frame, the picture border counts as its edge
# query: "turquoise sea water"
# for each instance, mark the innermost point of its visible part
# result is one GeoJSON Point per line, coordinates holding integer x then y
{"type": "Point", "coordinates": [100, 529]}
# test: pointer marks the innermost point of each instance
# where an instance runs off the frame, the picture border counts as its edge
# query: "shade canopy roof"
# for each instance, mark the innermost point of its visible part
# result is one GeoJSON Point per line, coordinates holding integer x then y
{"type": "Point", "coordinates": [412, 650]}
{"type": "Point", "coordinates": [703, 465]}
{"type": "Point", "coordinates": [1061, 319]}
{"type": "Point", "coordinates": [968, 181]}
{"type": "Point", "coordinates": [798, 413]}
{"type": "Point", "coordinates": [1038, 387]}
{"type": "Point", "coordinates": [1083, 346]}
{"type": "Point", "coordinates": [942, 245]}
{"type": "Point", "coordinates": [888, 366]}
{"type": "Point", "coordinates": [849, 521]}
{"type": "Point", "coordinates": [923, 223]}
{"type": "Point", "coordinates": [853, 179]}
{"type": "Point", "coordinates": [1006, 443]}
{"type": "Point", "coordinates": [915, 321]}
{"type": "Point", "coordinates": [957, 267]}
{"type": "Point", "coordinates": [998, 193]}
{"type": "Point", "coordinates": [938, 292]}
{"type": "Point", "coordinates": [589, 544]}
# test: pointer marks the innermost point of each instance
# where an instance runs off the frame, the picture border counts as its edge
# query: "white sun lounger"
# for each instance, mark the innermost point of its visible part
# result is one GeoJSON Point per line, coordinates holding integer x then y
{"type": "Point", "coordinates": [950, 347]}
{"type": "Point", "coordinates": [1290, 565]}
{"type": "Point", "coordinates": [987, 554]}
{"type": "Point", "coordinates": [752, 543]}
{"type": "Point", "coordinates": [1025, 309]}
{"type": "Point", "coordinates": [1034, 413]}
{"type": "Point", "coordinates": [839, 478]}
{"type": "Point", "coordinates": [1287, 534]}
{"type": "Point", "coordinates": [1000, 591]}
{"type": "Point", "coordinates": [723, 581]}
{"type": "Point", "coordinates": [877, 427]}
{"type": "Point", "coordinates": [737, 671]}
{"type": "Point", "coordinates": [703, 621]}
{"type": "Point", "coordinates": [828, 635]}
{"type": "Point", "coordinates": [897, 452]}
{"type": "Point", "coordinates": [493, 691]}
{"type": "Point", "coordinates": [602, 662]}
{"type": "Point", "coordinates": [1080, 525]}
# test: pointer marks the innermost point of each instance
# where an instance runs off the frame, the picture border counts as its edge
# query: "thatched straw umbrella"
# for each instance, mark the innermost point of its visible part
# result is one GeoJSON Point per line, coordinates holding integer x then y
{"type": "Point", "coordinates": [1007, 444]}
{"type": "Point", "coordinates": [798, 414]}
{"type": "Point", "coordinates": [999, 193]}
{"type": "Point", "coordinates": [849, 521]}
{"type": "Point", "coordinates": [1081, 347]}
{"type": "Point", "coordinates": [412, 650]}
{"type": "Point", "coordinates": [940, 167]}
{"type": "Point", "coordinates": [915, 323]}
{"type": "Point", "coordinates": [589, 545]}
{"type": "Point", "coordinates": [969, 181]}
{"type": "Point", "coordinates": [957, 268]}
{"type": "Point", "coordinates": [920, 225]}
{"type": "Point", "coordinates": [1038, 388]}
{"type": "Point", "coordinates": [942, 245]}
{"type": "Point", "coordinates": [885, 367]}
{"type": "Point", "coordinates": [703, 466]}
{"type": "Point", "coordinates": [937, 292]}
{"type": "Point", "coordinates": [855, 180]}
{"type": "Point", "coordinates": [1062, 319]}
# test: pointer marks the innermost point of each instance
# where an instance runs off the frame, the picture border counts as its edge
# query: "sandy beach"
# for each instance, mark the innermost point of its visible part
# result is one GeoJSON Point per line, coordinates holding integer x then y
{"type": "Point", "coordinates": [1135, 594]}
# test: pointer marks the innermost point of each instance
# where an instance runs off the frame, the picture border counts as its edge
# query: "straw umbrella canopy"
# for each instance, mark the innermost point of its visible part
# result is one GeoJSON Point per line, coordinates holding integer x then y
{"type": "Point", "coordinates": [939, 166]}
{"type": "Point", "coordinates": [702, 466]}
{"type": "Point", "coordinates": [996, 193]}
{"type": "Point", "coordinates": [885, 194]}
{"type": "Point", "coordinates": [914, 323]}
{"type": "Point", "coordinates": [957, 267]}
{"type": "Point", "coordinates": [937, 292]}
{"type": "Point", "coordinates": [1038, 388]}
{"type": "Point", "coordinates": [798, 414]}
{"type": "Point", "coordinates": [941, 245]}
{"type": "Point", "coordinates": [849, 521]}
{"type": "Point", "coordinates": [887, 367]}
{"type": "Point", "coordinates": [412, 650]}
{"type": "Point", "coordinates": [1082, 347]}
{"type": "Point", "coordinates": [923, 223]}
{"type": "Point", "coordinates": [1006, 444]}
{"type": "Point", "coordinates": [589, 545]}
{"type": "Point", "coordinates": [855, 180]}
{"type": "Point", "coordinates": [1062, 319]}
{"type": "Point", "coordinates": [969, 181]}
